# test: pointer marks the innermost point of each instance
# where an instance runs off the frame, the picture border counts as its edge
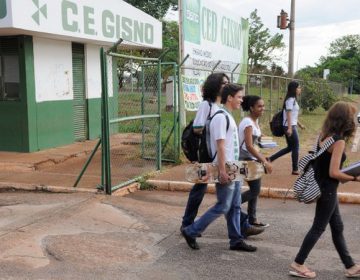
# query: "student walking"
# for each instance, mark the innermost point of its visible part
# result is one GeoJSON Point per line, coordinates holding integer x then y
{"type": "Point", "coordinates": [290, 123]}
{"type": "Point", "coordinates": [339, 125]}
{"type": "Point", "coordinates": [208, 107]}
{"type": "Point", "coordinates": [249, 135]}
{"type": "Point", "coordinates": [225, 147]}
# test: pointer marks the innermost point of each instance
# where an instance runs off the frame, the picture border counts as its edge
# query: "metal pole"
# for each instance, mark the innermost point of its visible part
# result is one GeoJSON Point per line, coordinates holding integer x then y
{"type": "Point", "coordinates": [106, 142]}
{"type": "Point", "coordinates": [291, 39]}
{"type": "Point", "coordinates": [87, 163]}
{"type": "Point", "coordinates": [158, 158]}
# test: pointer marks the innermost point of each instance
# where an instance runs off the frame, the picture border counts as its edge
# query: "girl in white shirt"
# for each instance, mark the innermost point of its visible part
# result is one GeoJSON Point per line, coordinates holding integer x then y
{"type": "Point", "coordinates": [290, 116]}
{"type": "Point", "coordinates": [249, 135]}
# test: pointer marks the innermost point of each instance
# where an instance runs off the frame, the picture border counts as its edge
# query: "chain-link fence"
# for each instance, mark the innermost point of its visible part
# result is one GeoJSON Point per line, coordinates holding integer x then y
{"type": "Point", "coordinates": [134, 122]}
{"type": "Point", "coordinates": [272, 89]}
{"type": "Point", "coordinates": [140, 117]}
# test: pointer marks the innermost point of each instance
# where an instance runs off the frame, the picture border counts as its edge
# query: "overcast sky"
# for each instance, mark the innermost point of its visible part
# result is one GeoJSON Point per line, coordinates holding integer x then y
{"type": "Point", "coordinates": [317, 23]}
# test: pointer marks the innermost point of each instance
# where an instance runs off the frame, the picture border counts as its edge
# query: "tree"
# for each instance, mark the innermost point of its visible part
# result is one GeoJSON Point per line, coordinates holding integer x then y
{"type": "Point", "coordinates": [261, 44]}
{"type": "Point", "coordinates": [344, 61]}
{"type": "Point", "coordinates": [343, 45]}
{"type": "Point", "coordinates": [155, 8]}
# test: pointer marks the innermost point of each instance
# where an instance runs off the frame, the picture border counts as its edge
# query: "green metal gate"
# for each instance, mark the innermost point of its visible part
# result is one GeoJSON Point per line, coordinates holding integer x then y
{"type": "Point", "coordinates": [133, 138]}
{"type": "Point", "coordinates": [79, 102]}
{"type": "Point", "coordinates": [137, 126]}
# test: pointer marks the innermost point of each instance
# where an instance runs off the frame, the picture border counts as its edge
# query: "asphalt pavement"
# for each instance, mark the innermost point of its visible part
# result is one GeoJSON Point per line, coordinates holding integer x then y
{"type": "Point", "coordinates": [91, 236]}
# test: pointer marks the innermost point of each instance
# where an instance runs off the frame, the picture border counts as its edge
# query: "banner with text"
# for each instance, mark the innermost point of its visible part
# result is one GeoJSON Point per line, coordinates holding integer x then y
{"type": "Point", "coordinates": [212, 37]}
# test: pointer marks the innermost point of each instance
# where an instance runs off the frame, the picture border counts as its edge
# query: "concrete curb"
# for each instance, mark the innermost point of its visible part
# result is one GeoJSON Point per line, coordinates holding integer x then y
{"type": "Point", "coordinates": [34, 187]}
{"type": "Point", "coordinates": [266, 192]}
{"type": "Point", "coordinates": [6, 186]}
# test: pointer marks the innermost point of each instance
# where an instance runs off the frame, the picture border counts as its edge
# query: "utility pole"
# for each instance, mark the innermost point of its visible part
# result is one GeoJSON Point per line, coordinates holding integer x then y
{"type": "Point", "coordinates": [291, 39]}
{"type": "Point", "coordinates": [282, 20]}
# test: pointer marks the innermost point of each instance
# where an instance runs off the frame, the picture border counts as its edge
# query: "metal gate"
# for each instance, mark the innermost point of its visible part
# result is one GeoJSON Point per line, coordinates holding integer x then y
{"type": "Point", "coordinates": [133, 139]}
{"type": "Point", "coordinates": [79, 102]}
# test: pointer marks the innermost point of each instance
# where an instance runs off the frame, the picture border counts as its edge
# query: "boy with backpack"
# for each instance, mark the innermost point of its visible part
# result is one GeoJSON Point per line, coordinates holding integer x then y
{"type": "Point", "coordinates": [208, 107]}
{"type": "Point", "coordinates": [225, 147]}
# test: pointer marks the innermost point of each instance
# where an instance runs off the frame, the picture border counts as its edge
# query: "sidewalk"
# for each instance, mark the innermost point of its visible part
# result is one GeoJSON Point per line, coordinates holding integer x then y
{"type": "Point", "coordinates": [50, 170]}
{"type": "Point", "coordinates": [57, 169]}
{"type": "Point", "coordinates": [273, 186]}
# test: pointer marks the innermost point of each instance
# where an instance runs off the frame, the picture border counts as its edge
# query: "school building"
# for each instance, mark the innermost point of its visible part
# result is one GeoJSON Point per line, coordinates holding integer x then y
{"type": "Point", "coordinates": [50, 78]}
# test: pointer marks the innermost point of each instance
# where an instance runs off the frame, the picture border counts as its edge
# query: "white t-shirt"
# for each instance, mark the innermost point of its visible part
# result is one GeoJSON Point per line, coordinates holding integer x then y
{"type": "Point", "coordinates": [291, 105]}
{"type": "Point", "coordinates": [256, 133]}
{"type": "Point", "coordinates": [218, 131]}
{"type": "Point", "coordinates": [203, 113]}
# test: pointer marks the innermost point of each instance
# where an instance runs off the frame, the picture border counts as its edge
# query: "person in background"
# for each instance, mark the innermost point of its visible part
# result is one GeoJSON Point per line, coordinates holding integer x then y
{"type": "Point", "coordinates": [249, 135]}
{"type": "Point", "coordinates": [339, 124]}
{"type": "Point", "coordinates": [290, 123]}
{"type": "Point", "coordinates": [225, 147]}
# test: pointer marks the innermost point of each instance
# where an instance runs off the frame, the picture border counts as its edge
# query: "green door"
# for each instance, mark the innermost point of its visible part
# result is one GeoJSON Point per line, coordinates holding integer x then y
{"type": "Point", "coordinates": [80, 108]}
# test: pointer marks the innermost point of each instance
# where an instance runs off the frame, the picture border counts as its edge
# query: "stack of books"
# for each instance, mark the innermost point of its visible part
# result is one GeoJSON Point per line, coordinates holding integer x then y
{"type": "Point", "coordinates": [353, 169]}
{"type": "Point", "coordinates": [267, 142]}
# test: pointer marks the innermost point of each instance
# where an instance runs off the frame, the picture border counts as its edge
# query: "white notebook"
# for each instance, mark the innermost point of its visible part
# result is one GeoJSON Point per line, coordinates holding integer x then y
{"type": "Point", "coordinates": [353, 169]}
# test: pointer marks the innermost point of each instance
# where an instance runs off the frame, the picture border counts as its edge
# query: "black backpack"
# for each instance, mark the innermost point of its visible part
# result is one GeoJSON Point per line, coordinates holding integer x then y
{"type": "Point", "coordinates": [195, 146]}
{"type": "Point", "coordinates": [276, 124]}
{"type": "Point", "coordinates": [205, 153]}
{"type": "Point", "coordinates": [190, 141]}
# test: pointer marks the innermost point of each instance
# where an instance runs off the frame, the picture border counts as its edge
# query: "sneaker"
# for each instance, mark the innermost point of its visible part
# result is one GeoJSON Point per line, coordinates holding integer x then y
{"type": "Point", "coordinates": [191, 241]}
{"type": "Point", "coordinates": [259, 224]}
{"type": "Point", "coordinates": [252, 230]}
{"type": "Point", "coordinates": [242, 246]}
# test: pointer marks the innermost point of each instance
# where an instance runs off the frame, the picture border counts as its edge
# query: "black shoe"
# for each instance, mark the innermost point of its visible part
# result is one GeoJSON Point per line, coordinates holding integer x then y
{"type": "Point", "coordinates": [242, 246]}
{"type": "Point", "coordinates": [182, 227]}
{"type": "Point", "coordinates": [191, 241]}
{"type": "Point", "coordinates": [251, 230]}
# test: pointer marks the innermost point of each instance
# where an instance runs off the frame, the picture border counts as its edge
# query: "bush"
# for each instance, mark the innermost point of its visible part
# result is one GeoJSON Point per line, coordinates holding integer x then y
{"type": "Point", "coordinates": [317, 93]}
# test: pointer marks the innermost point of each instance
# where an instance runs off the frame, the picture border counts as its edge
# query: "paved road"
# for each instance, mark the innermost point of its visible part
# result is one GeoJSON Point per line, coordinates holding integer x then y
{"type": "Point", "coordinates": [84, 236]}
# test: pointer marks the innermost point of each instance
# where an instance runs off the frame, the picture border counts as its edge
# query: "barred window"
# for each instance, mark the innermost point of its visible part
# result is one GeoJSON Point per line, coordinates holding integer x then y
{"type": "Point", "coordinates": [9, 69]}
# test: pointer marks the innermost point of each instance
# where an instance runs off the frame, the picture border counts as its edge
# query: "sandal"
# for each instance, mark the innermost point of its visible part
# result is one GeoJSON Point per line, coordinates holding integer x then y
{"type": "Point", "coordinates": [355, 274]}
{"type": "Point", "coordinates": [302, 274]}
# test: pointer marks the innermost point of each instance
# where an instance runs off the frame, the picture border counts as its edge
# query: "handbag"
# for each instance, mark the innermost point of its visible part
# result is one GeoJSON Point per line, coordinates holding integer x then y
{"type": "Point", "coordinates": [306, 187]}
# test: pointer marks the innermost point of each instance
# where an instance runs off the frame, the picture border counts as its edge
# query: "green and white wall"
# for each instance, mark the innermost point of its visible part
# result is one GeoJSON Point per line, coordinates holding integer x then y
{"type": "Point", "coordinates": [59, 67]}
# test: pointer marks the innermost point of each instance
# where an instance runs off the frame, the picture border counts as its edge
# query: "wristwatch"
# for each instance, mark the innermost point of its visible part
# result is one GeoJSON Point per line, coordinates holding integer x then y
{"type": "Point", "coordinates": [355, 177]}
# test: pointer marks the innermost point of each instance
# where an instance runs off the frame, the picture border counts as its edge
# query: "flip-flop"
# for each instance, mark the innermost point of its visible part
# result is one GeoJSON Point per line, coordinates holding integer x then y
{"type": "Point", "coordinates": [356, 274]}
{"type": "Point", "coordinates": [306, 274]}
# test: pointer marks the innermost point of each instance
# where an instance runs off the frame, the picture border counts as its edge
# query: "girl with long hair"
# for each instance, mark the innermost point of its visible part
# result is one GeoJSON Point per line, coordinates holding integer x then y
{"type": "Point", "coordinates": [339, 125]}
{"type": "Point", "coordinates": [290, 116]}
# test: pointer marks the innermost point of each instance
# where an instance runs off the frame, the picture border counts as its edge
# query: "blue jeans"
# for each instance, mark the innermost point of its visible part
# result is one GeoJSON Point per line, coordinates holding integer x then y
{"type": "Point", "coordinates": [228, 204]}
{"type": "Point", "coordinates": [251, 197]}
{"type": "Point", "coordinates": [196, 196]}
{"type": "Point", "coordinates": [292, 146]}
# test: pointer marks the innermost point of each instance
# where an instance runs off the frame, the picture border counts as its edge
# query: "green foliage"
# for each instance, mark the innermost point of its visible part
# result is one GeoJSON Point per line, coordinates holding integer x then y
{"type": "Point", "coordinates": [328, 98]}
{"type": "Point", "coordinates": [155, 8]}
{"type": "Point", "coordinates": [343, 61]}
{"type": "Point", "coordinates": [340, 46]}
{"type": "Point", "coordinates": [316, 93]}
{"type": "Point", "coordinates": [261, 44]}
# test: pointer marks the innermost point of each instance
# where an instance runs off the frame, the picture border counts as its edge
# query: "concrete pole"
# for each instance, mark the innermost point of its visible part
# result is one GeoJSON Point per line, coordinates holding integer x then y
{"type": "Point", "coordinates": [291, 40]}
{"type": "Point", "coordinates": [182, 111]}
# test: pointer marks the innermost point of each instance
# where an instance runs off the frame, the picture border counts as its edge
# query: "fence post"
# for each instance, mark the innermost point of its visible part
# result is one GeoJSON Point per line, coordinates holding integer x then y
{"type": "Point", "coordinates": [105, 123]}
